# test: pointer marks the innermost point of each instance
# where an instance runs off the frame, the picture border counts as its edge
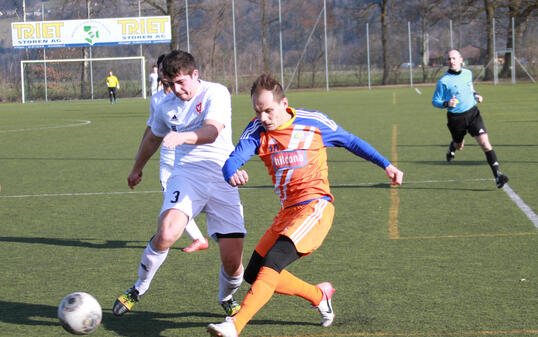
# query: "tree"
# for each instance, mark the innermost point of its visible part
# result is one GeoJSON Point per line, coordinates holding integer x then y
{"type": "Point", "coordinates": [428, 13]}
{"type": "Point", "coordinates": [266, 20]}
{"type": "Point", "coordinates": [490, 14]}
{"type": "Point", "coordinates": [364, 13]}
{"type": "Point", "coordinates": [166, 7]}
{"type": "Point", "coordinates": [520, 11]}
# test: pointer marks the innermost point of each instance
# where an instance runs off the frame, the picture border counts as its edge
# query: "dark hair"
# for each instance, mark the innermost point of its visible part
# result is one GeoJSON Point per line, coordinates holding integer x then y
{"type": "Point", "coordinates": [266, 81]}
{"type": "Point", "coordinates": [178, 62]}
{"type": "Point", "coordinates": [160, 60]}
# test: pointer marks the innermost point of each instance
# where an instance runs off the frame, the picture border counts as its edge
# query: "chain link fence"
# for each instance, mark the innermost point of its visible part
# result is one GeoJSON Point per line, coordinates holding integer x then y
{"type": "Point", "coordinates": [415, 46]}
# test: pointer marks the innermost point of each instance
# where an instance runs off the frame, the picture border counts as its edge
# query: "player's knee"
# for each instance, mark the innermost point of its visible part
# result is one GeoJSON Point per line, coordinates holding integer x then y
{"type": "Point", "coordinates": [170, 229]}
{"type": "Point", "coordinates": [165, 239]}
{"type": "Point", "coordinates": [232, 266]}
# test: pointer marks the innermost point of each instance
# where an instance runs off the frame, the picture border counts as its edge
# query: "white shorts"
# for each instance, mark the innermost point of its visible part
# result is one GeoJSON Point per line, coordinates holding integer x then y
{"type": "Point", "coordinates": [165, 171]}
{"type": "Point", "coordinates": [192, 195]}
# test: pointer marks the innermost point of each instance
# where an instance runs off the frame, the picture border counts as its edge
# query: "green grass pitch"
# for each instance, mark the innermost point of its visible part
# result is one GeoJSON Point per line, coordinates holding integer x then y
{"type": "Point", "coordinates": [445, 254]}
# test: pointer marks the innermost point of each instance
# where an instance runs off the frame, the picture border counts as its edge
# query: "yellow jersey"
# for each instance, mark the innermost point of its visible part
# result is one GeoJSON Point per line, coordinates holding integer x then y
{"type": "Point", "coordinates": [112, 81]}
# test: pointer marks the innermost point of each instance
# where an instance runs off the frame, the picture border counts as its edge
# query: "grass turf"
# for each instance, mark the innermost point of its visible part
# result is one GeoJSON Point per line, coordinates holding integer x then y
{"type": "Point", "coordinates": [446, 254]}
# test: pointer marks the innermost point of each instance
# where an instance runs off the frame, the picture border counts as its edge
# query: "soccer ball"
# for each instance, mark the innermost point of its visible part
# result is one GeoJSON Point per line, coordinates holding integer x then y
{"type": "Point", "coordinates": [80, 313]}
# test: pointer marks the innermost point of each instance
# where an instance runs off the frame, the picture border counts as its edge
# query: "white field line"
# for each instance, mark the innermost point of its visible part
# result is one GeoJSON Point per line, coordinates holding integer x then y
{"type": "Point", "coordinates": [521, 204]}
{"type": "Point", "coordinates": [76, 194]}
{"type": "Point", "coordinates": [513, 195]}
{"type": "Point", "coordinates": [81, 123]}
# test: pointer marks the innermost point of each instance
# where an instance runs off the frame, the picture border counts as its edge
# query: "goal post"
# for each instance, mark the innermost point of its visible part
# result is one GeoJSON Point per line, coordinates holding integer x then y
{"type": "Point", "coordinates": [67, 78]}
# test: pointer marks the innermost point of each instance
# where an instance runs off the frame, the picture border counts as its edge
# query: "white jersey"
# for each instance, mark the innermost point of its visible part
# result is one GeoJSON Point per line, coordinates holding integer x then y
{"type": "Point", "coordinates": [153, 80]}
{"type": "Point", "coordinates": [212, 101]}
{"type": "Point", "coordinates": [167, 155]}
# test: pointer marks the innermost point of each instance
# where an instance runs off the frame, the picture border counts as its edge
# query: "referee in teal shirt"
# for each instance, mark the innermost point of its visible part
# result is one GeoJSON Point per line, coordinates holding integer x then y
{"type": "Point", "coordinates": [455, 92]}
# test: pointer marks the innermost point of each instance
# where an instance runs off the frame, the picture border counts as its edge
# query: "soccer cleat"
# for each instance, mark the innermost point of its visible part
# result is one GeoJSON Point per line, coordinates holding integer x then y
{"type": "Point", "coordinates": [116, 101]}
{"type": "Point", "coordinates": [231, 307]}
{"type": "Point", "coordinates": [224, 329]}
{"type": "Point", "coordinates": [197, 245]}
{"type": "Point", "coordinates": [125, 302]}
{"type": "Point", "coordinates": [500, 180]}
{"type": "Point", "coordinates": [325, 307]}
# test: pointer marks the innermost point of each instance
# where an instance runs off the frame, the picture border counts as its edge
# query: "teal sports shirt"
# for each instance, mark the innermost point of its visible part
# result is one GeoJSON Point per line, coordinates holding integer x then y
{"type": "Point", "coordinates": [458, 84]}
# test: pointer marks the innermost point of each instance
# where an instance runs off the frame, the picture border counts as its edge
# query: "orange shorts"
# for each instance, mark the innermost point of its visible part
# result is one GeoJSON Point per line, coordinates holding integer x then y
{"type": "Point", "coordinates": [306, 225]}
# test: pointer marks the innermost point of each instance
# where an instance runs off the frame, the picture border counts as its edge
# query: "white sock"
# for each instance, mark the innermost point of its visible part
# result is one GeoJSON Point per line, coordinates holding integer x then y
{"type": "Point", "coordinates": [149, 264]}
{"type": "Point", "coordinates": [193, 231]}
{"type": "Point", "coordinates": [228, 285]}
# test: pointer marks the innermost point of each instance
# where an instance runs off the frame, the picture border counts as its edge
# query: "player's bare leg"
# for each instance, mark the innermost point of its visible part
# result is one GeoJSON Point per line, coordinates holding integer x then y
{"type": "Point", "coordinates": [171, 224]}
{"type": "Point", "coordinates": [231, 274]}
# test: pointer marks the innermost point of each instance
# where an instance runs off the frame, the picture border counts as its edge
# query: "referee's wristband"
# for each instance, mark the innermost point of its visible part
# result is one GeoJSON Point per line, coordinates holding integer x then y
{"type": "Point", "coordinates": [445, 104]}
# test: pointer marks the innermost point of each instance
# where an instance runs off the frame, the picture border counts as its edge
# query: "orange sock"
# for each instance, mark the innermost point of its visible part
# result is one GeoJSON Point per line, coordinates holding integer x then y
{"type": "Point", "coordinates": [259, 293]}
{"type": "Point", "coordinates": [292, 285]}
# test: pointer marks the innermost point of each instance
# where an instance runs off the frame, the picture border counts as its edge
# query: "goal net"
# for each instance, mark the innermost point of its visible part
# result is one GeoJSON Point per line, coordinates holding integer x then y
{"type": "Point", "coordinates": [72, 79]}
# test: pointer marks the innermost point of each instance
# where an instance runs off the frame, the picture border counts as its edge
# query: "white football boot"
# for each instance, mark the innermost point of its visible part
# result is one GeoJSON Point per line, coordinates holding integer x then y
{"type": "Point", "coordinates": [224, 329]}
{"type": "Point", "coordinates": [325, 307]}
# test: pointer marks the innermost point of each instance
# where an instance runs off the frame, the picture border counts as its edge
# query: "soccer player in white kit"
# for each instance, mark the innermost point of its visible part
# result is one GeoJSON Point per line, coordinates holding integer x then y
{"type": "Point", "coordinates": [166, 166]}
{"type": "Point", "coordinates": [196, 120]}
{"type": "Point", "coordinates": [154, 80]}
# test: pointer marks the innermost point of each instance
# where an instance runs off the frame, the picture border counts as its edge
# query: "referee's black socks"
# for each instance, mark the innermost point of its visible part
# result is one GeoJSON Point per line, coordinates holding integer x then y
{"type": "Point", "coordinates": [491, 157]}
{"type": "Point", "coordinates": [452, 147]}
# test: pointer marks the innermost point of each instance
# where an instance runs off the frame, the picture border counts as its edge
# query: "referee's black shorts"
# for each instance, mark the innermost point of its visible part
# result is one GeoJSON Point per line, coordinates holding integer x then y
{"type": "Point", "coordinates": [461, 123]}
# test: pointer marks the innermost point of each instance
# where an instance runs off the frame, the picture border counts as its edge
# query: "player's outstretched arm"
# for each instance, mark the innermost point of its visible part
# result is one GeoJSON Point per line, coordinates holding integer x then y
{"type": "Point", "coordinates": [395, 175]}
{"type": "Point", "coordinates": [239, 178]}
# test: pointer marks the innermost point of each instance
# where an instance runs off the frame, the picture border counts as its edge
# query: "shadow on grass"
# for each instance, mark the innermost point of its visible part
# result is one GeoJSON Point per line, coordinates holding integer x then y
{"type": "Point", "coordinates": [414, 187]}
{"type": "Point", "coordinates": [136, 323]}
{"type": "Point", "coordinates": [452, 163]}
{"type": "Point", "coordinates": [75, 242]}
{"type": "Point", "coordinates": [81, 242]}
{"type": "Point", "coordinates": [470, 144]}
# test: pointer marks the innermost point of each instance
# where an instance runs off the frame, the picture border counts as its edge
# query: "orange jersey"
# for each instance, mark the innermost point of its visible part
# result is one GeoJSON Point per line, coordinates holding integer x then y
{"type": "Point", "coordinates": [295, 154]}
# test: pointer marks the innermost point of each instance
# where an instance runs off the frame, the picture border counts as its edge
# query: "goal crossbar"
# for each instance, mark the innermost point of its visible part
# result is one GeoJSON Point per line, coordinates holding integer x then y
{"type": "Point", "coordinates": [45, 61]}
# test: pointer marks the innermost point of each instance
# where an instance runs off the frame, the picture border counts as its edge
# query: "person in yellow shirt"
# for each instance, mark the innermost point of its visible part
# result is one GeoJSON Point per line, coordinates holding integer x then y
{"type": "Point", "coordinates": [113, 85]}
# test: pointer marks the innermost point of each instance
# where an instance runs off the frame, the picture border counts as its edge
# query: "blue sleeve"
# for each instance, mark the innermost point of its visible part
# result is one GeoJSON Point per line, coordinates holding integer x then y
{"type": "Point", "coordinates": [244, 150]}
{"type": "Point", "coordinates": [438, 99]}
{"type": "Point", "coordinates": [359, 147]}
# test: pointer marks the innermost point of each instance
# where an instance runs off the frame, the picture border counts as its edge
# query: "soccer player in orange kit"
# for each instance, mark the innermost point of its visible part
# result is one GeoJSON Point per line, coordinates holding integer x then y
{"type": "Point", "coordinates": [292, 144]}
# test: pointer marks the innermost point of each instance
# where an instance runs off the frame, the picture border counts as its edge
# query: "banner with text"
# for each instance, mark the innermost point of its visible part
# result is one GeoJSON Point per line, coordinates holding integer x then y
{"type": "Point", "coordinates": [91, 32]}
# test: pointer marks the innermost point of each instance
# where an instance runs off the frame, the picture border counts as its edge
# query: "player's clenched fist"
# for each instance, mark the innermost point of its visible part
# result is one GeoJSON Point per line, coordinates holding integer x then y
{"type": "Point", "coordinates": [239, 178]}
{"type": "Point", "coordinates": [395, 175]}
{"type": "Point", "coordinates": [134, 178]}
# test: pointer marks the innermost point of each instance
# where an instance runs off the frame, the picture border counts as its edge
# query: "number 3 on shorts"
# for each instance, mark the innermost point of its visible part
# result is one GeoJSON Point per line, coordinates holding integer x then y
{"type": "Point", "coordinates": [176, 197]}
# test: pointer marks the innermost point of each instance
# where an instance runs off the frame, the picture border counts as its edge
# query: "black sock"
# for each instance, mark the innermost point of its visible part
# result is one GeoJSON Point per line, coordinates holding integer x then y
{"type": "Point", "coordinates": [491, 157]}
{"type": "Point", "coordinates": [452, 147]}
